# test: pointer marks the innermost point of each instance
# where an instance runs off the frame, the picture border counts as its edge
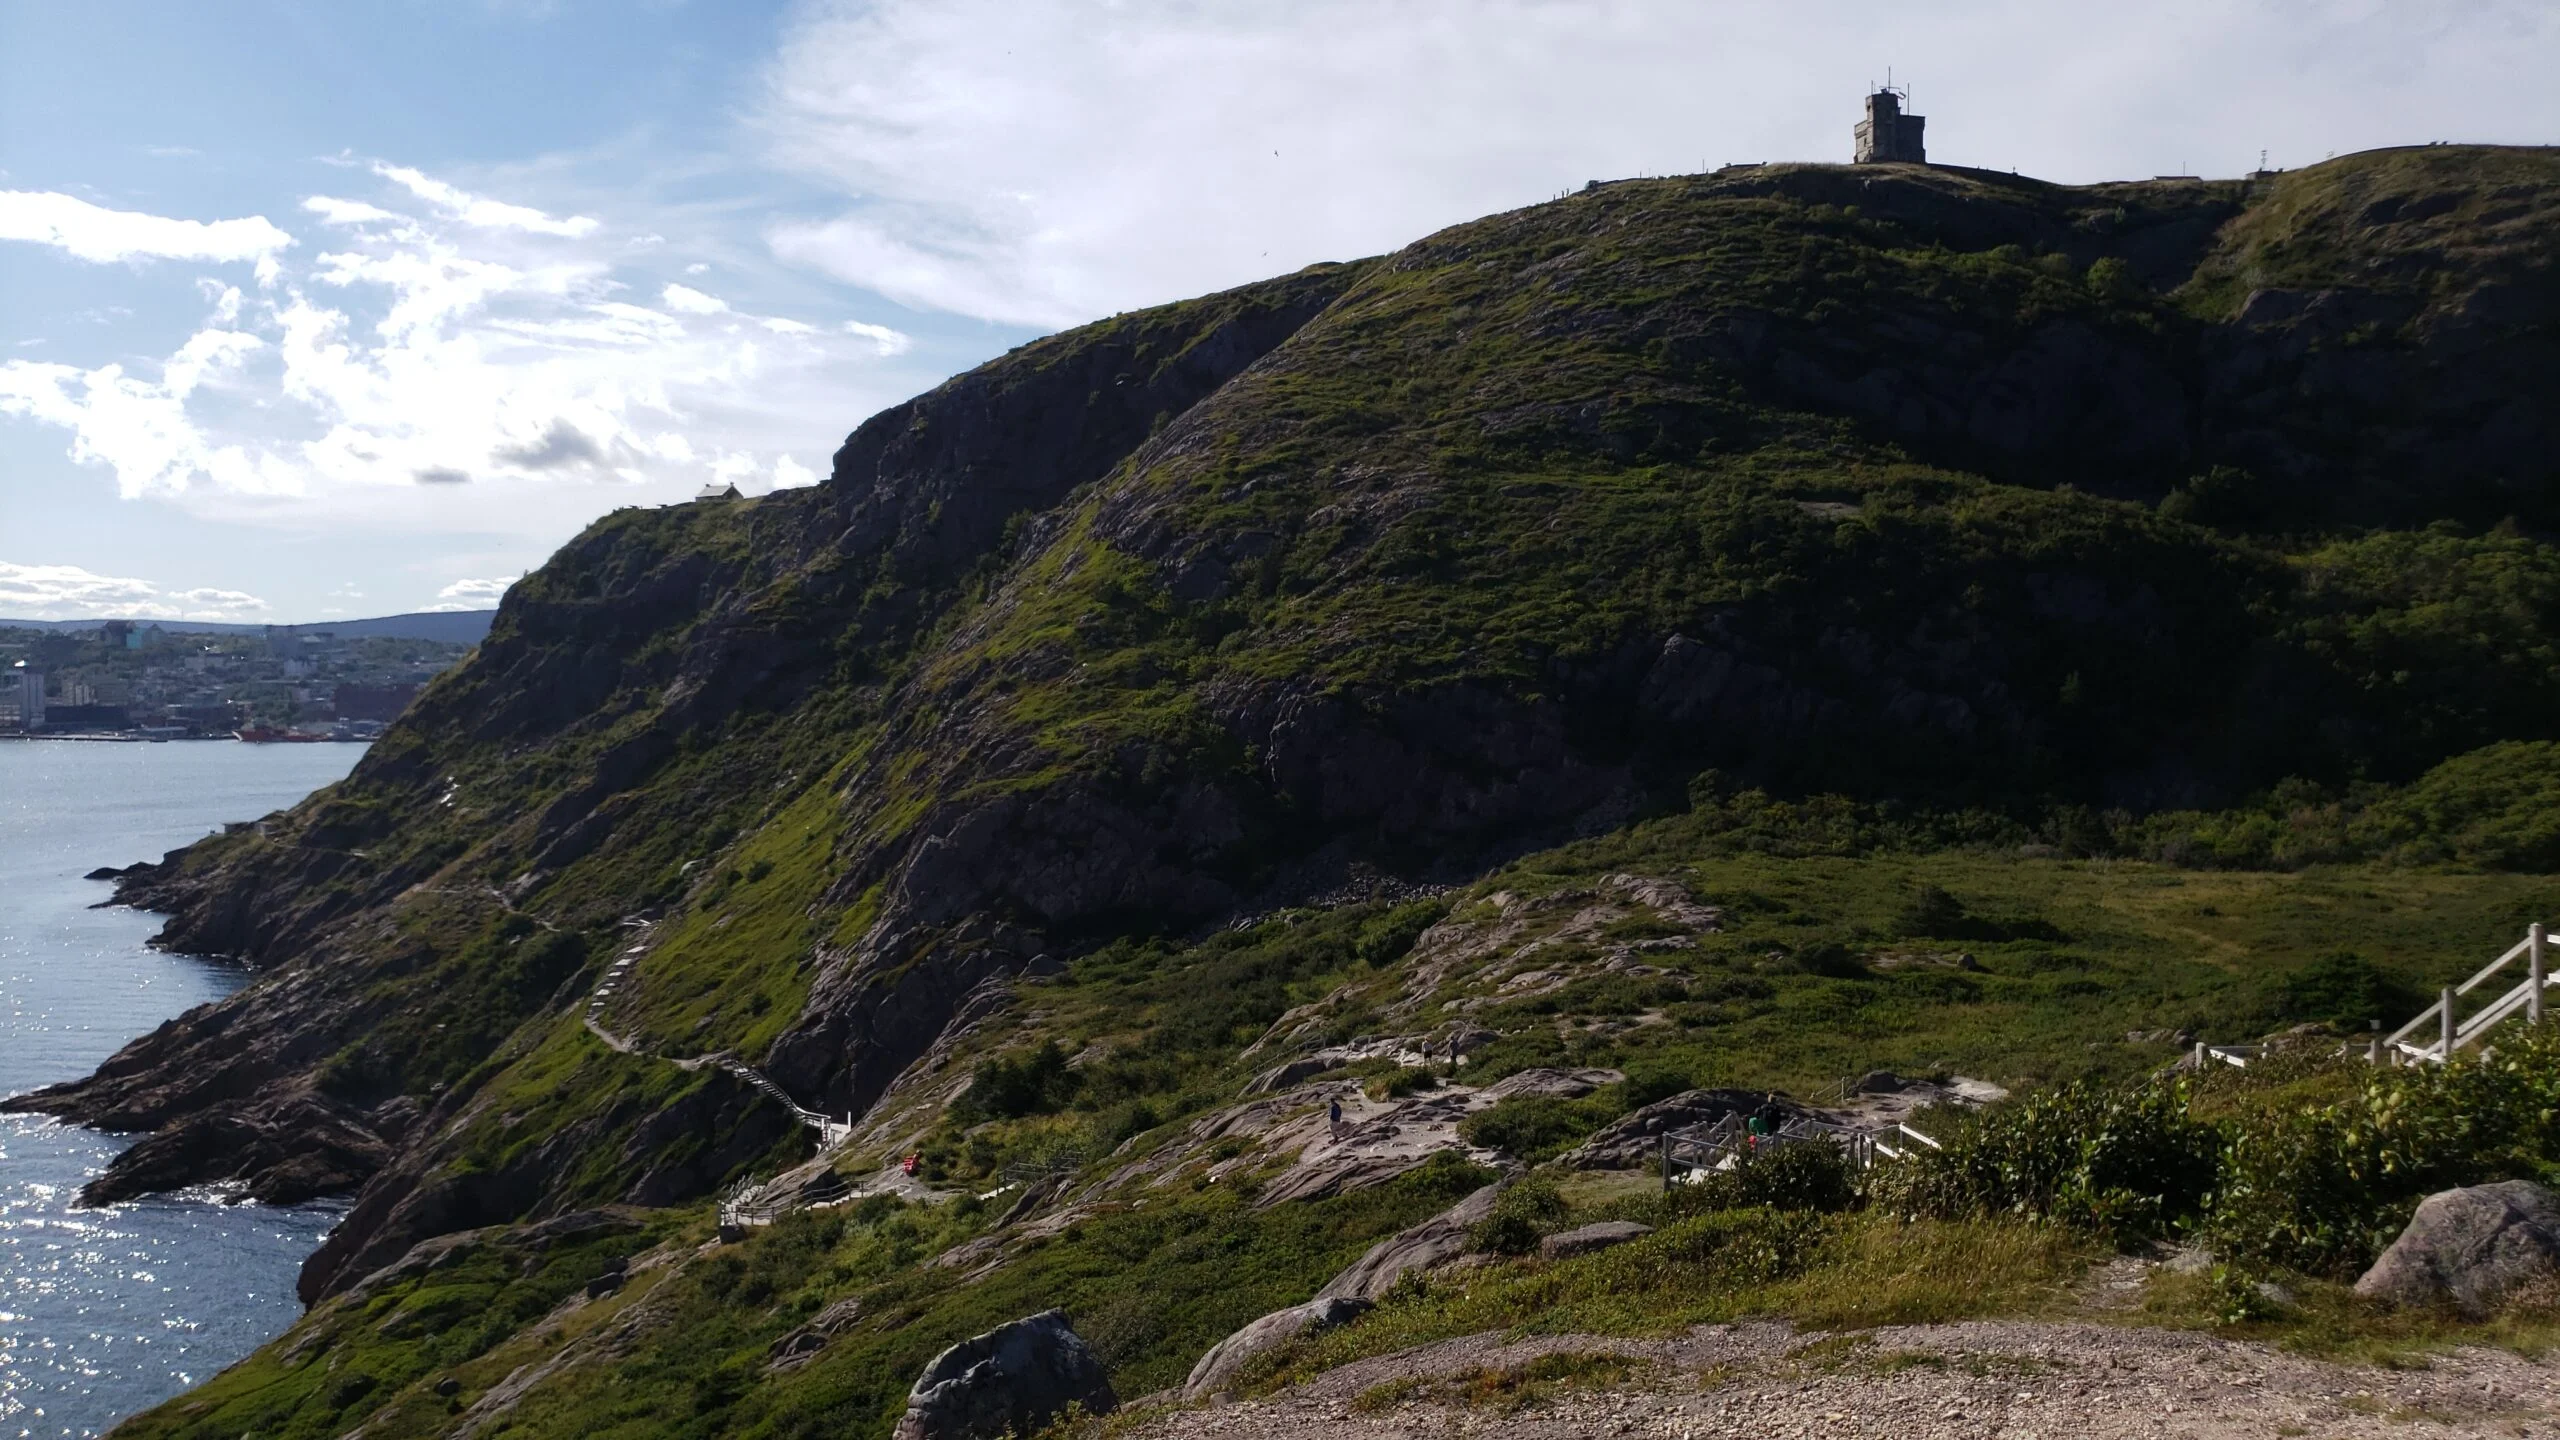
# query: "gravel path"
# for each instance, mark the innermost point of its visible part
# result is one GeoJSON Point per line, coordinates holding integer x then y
{"type": "Point", "coordinates": [2010, 1379]}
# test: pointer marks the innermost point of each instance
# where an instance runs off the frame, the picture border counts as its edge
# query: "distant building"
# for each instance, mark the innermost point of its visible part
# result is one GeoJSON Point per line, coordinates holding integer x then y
{"type": "Point", "coordinates": [372, 702]}
{"type": "Point", "coordinates": [1887, 136]}
{"type": "Point", "coordinates": [30, 696]}
{"type": "Point", "coordinates": [717, 491]}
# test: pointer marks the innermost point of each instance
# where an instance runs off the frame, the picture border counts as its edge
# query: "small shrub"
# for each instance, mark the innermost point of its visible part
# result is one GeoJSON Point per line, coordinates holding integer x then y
{"type": "Point", "coordinates": [1807, 1176]}
{"type": "Point", "coordinates": [1831, 960]}
{"type": "Point", "coordinates": [1649, 1083]}
{"type": "Point", "coordinates": [1402, 1081]}
{"type": "Point", "coordinates": [2236, 1297]}
{"type": "Point", "coordinates": [2345, 990]}
{"type": "Point", "coordinates": [1932, 913]}
{"type": "Point", "coordinates": [1384, 939]}
{"type": "Point", "coordinates": [1534, 1128]}
{"type": "Point", "coordinates": [1007, 1087]}
{"type": "Point", "coordinates": [1522, 1215]}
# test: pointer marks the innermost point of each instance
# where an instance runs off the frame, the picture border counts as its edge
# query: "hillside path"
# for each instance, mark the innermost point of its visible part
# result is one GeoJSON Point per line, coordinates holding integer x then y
{"type": "Point", "coordinates": [2015, 1380]}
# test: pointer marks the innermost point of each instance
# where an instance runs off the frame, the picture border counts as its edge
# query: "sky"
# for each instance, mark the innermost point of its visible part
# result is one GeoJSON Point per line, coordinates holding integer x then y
{"type": "Point", "coordinates": [313, 311]}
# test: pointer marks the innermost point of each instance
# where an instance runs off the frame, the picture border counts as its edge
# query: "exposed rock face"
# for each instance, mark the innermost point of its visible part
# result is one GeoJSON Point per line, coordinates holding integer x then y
{"type": "Point", "coordinates": [1230, 1356]}
{"type": "Point", "coordinates": [801, 1346]}
{"type": "Point", "coordinates": [1585, 1239]}
{"type": "Point", "coordinates": [1435, 1241]}
{"type": "Point", "coordinates": [2471, 1248]}
{"type": "Point", "coordinates": [282, 1153]}
{"type": "Point", "coordinates": [1627, 1143]}
{"type": "Point", "coordinates": [1012, 1380]}
{"type": "Point", "coordinates": [1563, 1084]}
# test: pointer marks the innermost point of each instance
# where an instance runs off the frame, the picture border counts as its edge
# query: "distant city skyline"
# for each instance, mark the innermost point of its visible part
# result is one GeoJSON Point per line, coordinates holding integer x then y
{"type": "Point", "coordinates": [324, 312]}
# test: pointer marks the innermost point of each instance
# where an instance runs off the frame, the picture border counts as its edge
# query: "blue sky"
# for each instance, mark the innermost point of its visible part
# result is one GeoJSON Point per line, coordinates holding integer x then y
{"type": "Point", "coordinates": [313, 310]}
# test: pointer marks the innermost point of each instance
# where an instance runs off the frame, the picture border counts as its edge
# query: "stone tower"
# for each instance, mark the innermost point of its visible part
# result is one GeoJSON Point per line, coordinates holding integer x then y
{"type": "Point", "coordinates": [1887, 135]}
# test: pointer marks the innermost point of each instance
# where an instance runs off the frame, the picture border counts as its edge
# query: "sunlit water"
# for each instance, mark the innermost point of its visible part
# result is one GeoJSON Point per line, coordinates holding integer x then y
{"type": "Point", "coordinates": [106, 1312]}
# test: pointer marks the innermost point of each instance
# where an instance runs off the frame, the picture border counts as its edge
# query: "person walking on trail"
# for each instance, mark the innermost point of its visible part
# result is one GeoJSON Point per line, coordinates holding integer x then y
{"type": "Point", "coordinates": [1337, 1117]}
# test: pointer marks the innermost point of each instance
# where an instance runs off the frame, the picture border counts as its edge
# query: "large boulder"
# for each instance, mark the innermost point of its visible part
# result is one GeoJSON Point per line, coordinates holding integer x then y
{"type": "Point", "coordinates": [1228, 1357]}
{"type": "Point", "coordinates": [1012, 1380]}
{"type": "Point", "coordinates": [2473, 1247]}
{"type": "Point", "coordinates": [1435, 1241]}
{"type": "Point", "coordinates": [1627, 1143]}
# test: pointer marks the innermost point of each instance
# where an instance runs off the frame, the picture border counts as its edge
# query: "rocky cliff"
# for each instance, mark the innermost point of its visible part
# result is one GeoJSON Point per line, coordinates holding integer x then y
{"type": "Point", "coordinates": [1922, 486]}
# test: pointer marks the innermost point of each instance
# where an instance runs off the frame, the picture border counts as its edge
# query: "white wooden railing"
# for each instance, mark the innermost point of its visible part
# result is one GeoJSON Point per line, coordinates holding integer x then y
{"type": "Point", "coordinates": [2451, 1030]}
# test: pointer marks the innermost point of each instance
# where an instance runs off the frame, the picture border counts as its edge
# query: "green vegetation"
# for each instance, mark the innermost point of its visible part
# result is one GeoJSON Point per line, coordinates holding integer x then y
{"type": "Point", "coordinates": [1797, 622]}
{"type": "Point", "coordinates": [1150, 1285]}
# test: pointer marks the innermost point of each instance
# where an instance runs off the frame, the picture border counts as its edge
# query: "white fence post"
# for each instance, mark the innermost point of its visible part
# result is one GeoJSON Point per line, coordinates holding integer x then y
{"type": "Point", "coordinates": [2534, 972]}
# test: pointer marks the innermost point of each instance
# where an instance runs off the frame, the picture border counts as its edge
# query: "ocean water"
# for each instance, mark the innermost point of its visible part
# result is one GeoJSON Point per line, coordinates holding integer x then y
{"type": "Point", "coordinates": [108, 1311]}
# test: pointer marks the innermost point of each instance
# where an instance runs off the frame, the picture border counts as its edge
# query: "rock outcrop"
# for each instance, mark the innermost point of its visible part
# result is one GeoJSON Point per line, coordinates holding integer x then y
{"type": "Point", "coordinates": [1434, 1242]}
{"type": "Point", "coordinates": [1586, 1239]}
{"type": "Point", "coordinates": [1010, 1381]}
{"type": "Point", "coordinates": [1230, 1356]}
{"type": "Point", "coordinates": [2471, 1248]}
{"type": "Point", "coordinates": [1628, 1142]}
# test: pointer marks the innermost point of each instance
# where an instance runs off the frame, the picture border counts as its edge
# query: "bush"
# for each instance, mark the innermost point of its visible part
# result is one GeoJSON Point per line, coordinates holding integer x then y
{"type": "Point", "coordinates": [2318, 1188]}
{"type": "Point", "coordinates": [1402, 1081]}
{"type": "Point", "coordinates": [1808, 1175]}
{"type": "Point", "coordinates": [2323, 1190]}
{"type": "Point", "coordinates": [1533, 1128]}
{"type": "Point", "coordinates": [1009, 1087]}
{"type": "Point", "coordinates": [2345, 990]}
{"type": "Point", "coordinates": [1830, 960]}
{"type": "Point", "coordinates": [1649, 1083]}
{"type": "Point", "coordinates": [1934, 914]}
{"type": "Point", "coordinates": [1521, 1216]}
{"type": "Point", "coordinates": [2128, 1163]}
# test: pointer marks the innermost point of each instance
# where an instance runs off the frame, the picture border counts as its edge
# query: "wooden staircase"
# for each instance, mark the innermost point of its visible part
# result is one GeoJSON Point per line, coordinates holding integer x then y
{"type": "Point", "coordinates": [2445, 1028]}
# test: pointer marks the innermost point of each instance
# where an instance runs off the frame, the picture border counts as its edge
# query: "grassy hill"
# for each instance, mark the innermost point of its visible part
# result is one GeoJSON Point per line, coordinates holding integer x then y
{"type": "Point", "coordinates": [2027, 616]}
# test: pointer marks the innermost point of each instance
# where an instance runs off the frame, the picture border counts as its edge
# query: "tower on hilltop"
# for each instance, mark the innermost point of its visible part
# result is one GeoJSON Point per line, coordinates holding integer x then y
{"type": "Point", "coordinates": [1887, 135]}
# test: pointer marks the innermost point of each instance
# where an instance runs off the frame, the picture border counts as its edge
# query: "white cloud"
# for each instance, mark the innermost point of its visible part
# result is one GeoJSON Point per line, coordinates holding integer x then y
{"type": "Point", "coordinates": [886, 340]}
{"type": "Point", "coordinates": [94, 233]}
{"type": "Point", "coordinates": [1049, 161]}
{"type": "Point", "coordinates": [346, 212]}
{"type": "Point", "coordinates": [481, 211]}
{"type": "Point", "coordinates": [471, 594]}
{"type": "Point", "coordinates": [790, 474]}
{"type": "Point", "coordinates": [224, 300]}
{"type": "Point", "coordinates": [697, 268]}
{"type": "Point", "coordinates": [140, 428]}
{"type": "Point", "coordinates": [434, 351]}
{"type": "Point", "coordinates": [689, 301]}
{"type": "Point", "coordinates": [67, 592]}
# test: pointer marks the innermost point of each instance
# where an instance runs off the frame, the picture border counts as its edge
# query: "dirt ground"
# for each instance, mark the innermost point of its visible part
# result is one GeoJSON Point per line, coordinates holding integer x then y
{"type": "Point", "coordinates": [2010, 1379]}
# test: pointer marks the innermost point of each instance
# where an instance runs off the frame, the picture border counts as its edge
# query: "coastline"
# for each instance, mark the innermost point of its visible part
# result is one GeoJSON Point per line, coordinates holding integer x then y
{"type": "Point", "coordinates": [108, 1310]}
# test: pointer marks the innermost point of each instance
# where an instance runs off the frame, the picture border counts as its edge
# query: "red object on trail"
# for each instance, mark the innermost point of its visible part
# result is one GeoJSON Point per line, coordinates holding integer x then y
{"type": "Point", "coordinates": [909, 1164]}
